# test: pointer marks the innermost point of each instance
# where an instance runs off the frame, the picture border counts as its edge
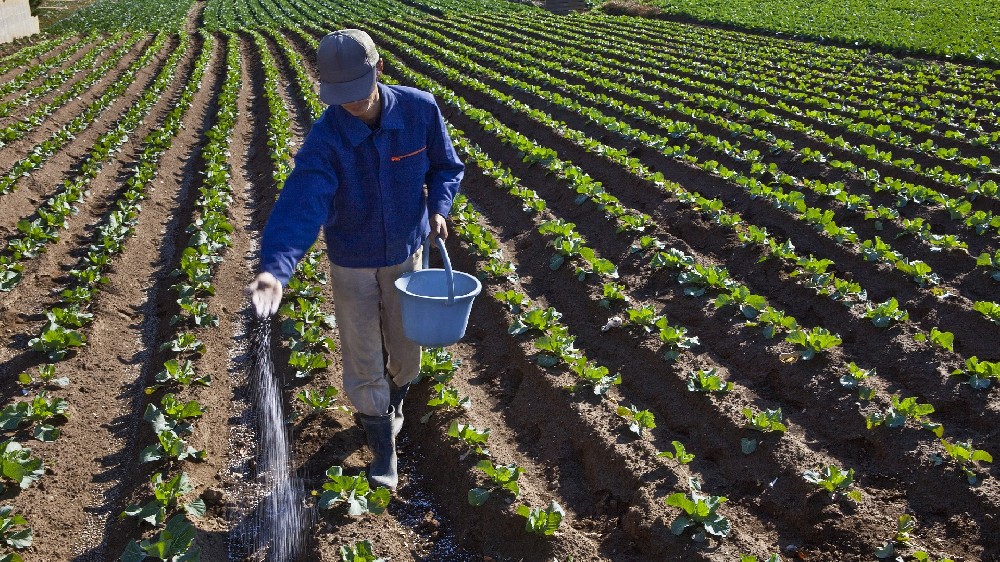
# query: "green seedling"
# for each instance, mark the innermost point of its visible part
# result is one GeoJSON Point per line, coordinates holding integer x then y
{"type": "Point", "coordinates": [679, 453]}
{"type": "Point", "coordinates": [638, 420]}
{"type": "Point", "coordinates": [543, 522]}
{"type": "Point", "coordinates": [352, 491]}
{"type": "Point", "coordinates": [707, 381]}
{"type": "Point", "coordinates": [835, 480]}
{"type": "Point", "coordinates": [503, 477]}
{"type": "Point", "coordinates": [964, 457]}
{"type": "Point", "coordinates": [699, 513]}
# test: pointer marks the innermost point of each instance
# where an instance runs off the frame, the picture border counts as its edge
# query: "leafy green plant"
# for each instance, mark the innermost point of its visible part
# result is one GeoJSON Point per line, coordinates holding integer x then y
{"type": "Point", "coordinates": [766, 422]}
{"type": "Point", "coordinates": [590, 374]}
{"type": "Point", "coordinates": [749, 304]}
{"type": "Point", "coordinates": [318, 400]}
{"type": "Point", "coordinates": [813, 341]}
{"type": "Point", "coordinates": [902, 410]}
{"type": "Point", "coordinates": [964, 457]}
{"type": "Point", "coordinates": [543, 522]}
{"type": "Point", "coordinates": [638, 420]}
{"type": "Point", "coordinates": [515, 300]}
{"type": "Point", "coordinates": [990, 310]}
{"type": "Point", "coordinates": [57, 341]}
{"type": "Point", "coordinates": [473, 438]}
{"type": "Point", "coordinates": [835, 480]}
{"type": "Point", "coordinates": [644, 316]}
{"type": "Point", "coordinates": [361, 551]}
{"type": "Point", "coordinates": [885, 313]}
{"type": "Point", "coordinates": [752, 558]}
{"type": "Point", "coordinates": [46, 377]}
{"type": "Point", "coordinates": [679, 453]}
{"type": "Point", "coordinates": [904, 526]}
{"type": "Point", "coordinates": [774, 321]}
{"type": "Point", "coordinates": [38, 410]}
{"type": "Point", "coordinates": [978, 373]}
{"type": "Point", "coordinates": [853, 380]}
{"type": "Point", "coordinates": [535, 319]}
{"type": "Point", "coordinates": [991, 261]}
{"type": "Point", "coordinates": [944, 340]}
{"type": "Point", "coordinates": [175, 543]}
{"type": "Point", "coordinates": [166, 494]}
{"type": "Point", "coordinates": [699, 513]}
{"type": "Point", "coordinates": [612, 293]}
{"type": "Point", "coordinates": [707, 381]}
{"type": "Point", "coordinates": [555, 346]}
{"type": "Point", "coordinates": [182, 374]}
{"type": "Point", "coordinates": [503, 477]}
{"type": "Point", "coordinates": [14, 538]}
{"type": "Point", "coordinates": [17, 466]}
{"type": "Point", "coordinates": [184, 342]}
{"type": "Point", "coordinates": [352, 491]}
{"type": "Point", "coordinates": [674, 339]}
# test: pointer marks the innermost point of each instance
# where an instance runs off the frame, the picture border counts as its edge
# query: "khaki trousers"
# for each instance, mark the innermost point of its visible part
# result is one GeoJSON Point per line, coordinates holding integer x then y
{"type": "Point", "coordinates": [369, 318]}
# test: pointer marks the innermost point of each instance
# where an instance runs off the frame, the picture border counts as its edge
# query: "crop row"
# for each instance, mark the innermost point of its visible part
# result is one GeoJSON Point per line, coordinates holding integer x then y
{"type": "Point", "coordinates": [808, 341]}
{"type": "Point", "coordinates": [45, 149]}
{"type": "Point", "coordinates": [53, 215]}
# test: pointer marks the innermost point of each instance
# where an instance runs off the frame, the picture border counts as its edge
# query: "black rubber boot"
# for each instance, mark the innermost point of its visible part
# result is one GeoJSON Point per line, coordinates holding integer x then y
{"type": "Point", "coordinates": [396, 396]}
{"type": "Point", "coordinates": [378, 429]}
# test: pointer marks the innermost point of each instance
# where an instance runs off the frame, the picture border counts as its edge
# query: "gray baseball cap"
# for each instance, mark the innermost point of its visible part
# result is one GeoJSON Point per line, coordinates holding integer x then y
{"type": "Point", "coordinates": [346, 60]}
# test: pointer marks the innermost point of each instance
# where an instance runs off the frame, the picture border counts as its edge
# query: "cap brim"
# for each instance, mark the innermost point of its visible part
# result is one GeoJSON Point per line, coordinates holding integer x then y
{"type": "Point", "coordinates": [345, 92]}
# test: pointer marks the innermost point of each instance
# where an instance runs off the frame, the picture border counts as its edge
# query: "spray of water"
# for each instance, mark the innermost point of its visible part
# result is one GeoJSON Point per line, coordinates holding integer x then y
{"type": "Point", "coordinates": [279, 520]}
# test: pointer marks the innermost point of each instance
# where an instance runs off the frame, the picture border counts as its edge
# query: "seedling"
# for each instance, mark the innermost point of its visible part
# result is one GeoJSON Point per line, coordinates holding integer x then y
{"type": "Point", "coordinates": [167, 494]}
{"type": "Point", "coordinates": [593, 375]}
{"type": "Point", "coordinates": [352, 491]}
{"type": "Point", "coordinates": [990, 310]}
{"type": "Point", "coordinates": [181, 374]}
{"type": "Point", "coordinates": [319, 400]}
{"type": "Point", "coordinates": [644, 316]}
{"type": "Point", "coordinates": [853, 380]}
{"type": "Point", "coordinates": [903, 409]}
{"type": "Point", "coordinates": [612, 293]}
{"type": "Point", "coordinates": [362, 551]}
{"type": "Point", "coordinates": [515, 300]}
{"type": "Point", "coordinates": [963, 457]}
{"type": "Point", "coordinates": [765, 422]}
{"type": "Point", "coordinates": [535, 319]}
{"type": "Point", "coordinates": [503, 477]}
{"type": "Point", "coordinates": [773, 322]}
{"type": "Point", "coordinates": [813, 341]}
{"type": "Point", "coordinates": [944, 340]}
{"type": "Point", "coordinates": [184, 342]}
{"type": "Point", "coordinates": [886, 313]}
{"type": "Point", "coordinates": [674, 339]}
{"type": "Point", "coordinates": [978, 373]}
{"type": "Point", "coordinates": [175, 543]}
{"type": "Point", "coordinates": [555, 347]}
{"type": "Point", "coordinates": [638, 420]}
{"type": "Point", "coordinates": [752, 558]}
{"type": "Point", "coordinates": [56, 341]}
{"type": "Point", "coordinates": [38, 411]}
{"type": "Point", "coordinates": [990, 261]}
{"type": "Point", "coordinates": [437, 364]}
{"type": "Point", "coordinates": [46, 377]}
{"type": "Point", "coordinates": [15, 538]}
{"type": "Point", "coordinates": [707, 381]}
{"type": "Point", "coordinates": [749, 304]}
{"type": "Point", "coordinates": [473, 438]}
{"type": "Point", "coordinates": [835, 480]}
{"type": "Point", "coordinates": [17, 466]}
{"type": "Point", "coordinates": [543, 522]}
{"type": "Point", "coordinates": [904, 526]}
{"type": "Point", "coordinates": [679, 453]}
{"type": "Point", "coordinates": [699, 513]}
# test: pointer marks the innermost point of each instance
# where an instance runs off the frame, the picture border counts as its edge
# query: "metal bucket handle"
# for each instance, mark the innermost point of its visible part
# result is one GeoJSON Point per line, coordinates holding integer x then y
{"type": "Point", "coordinates": [449, 274]}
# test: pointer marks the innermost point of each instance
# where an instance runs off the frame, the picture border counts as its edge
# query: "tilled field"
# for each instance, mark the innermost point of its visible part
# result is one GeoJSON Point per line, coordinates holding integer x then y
{"type": "Point", "coordinates": [699, 163]}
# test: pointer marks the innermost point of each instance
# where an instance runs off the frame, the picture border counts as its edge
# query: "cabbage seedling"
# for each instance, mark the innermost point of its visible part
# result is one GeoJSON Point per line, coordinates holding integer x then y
{"type": "Point", "coordinates": [473, 438]}
{"type": "Point", "coordinates": [503, 477]}
{"type": "Point", "coordinates": [964, 457]}
{"type": "Point", "coordinates": [638, 420]}
{"type": "Point", "coordinates": [904, 525]}
{"type": "Point", "coordinates": [167, 493]}
{"type": "Point", "coordinates": [707, 381]}
{"type": "Point", "coordinates": [978, 373]}
{"type": "Point", "coordinates": [885, 313]}
{"type": "Point", "coordinates": [14, 538]}
{"type": "Point", "coordinates": [17, 466]}
{"type": "Point", "coordinates": [542, 521]}
{"type": "Point", "coordinates": [174, 543]}
{"type": "Point", "coordinates": [354, 492]}
{"type": "Point", "coordinates": [835, 480]}
{"type": "Point", "coordinates": [679, 454]}
{"type": "Point", "coordinates": [362, 551]}
{"type": "Point", "coordinates": [699, 513]}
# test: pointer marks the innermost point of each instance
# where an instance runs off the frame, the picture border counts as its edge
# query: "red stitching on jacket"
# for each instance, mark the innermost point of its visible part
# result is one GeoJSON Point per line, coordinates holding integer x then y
{"type": "Point", "coordinates": [414, 153]}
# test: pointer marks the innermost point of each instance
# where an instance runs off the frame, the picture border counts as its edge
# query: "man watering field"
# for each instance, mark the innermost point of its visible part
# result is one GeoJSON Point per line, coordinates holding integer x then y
{"type": "Point", "coordinates": [360, 174]}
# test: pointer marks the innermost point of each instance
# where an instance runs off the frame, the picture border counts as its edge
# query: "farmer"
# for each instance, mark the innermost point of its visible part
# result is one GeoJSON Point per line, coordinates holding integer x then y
{"type": "Point", "coordinates": [360, 174]}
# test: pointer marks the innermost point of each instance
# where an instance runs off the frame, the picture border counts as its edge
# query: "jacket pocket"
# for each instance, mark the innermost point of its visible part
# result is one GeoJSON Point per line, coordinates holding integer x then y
{"type": "Point", "coordinates": [408, 154]}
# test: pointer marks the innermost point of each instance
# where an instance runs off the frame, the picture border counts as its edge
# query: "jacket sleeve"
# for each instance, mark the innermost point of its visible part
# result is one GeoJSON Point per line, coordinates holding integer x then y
{"type": "Point", "coordinates": [302, 208]}
{"type": "Point", "coordinates": [446, 170]}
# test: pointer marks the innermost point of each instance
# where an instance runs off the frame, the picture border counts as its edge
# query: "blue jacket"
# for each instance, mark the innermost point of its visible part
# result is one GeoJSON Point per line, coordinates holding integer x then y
{"type": "Point", "coordinates": [364, 187]}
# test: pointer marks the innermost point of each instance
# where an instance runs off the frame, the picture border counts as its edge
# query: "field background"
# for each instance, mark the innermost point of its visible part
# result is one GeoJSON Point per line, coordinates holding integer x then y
{"type": "Point", "coordinates": [813, 164]}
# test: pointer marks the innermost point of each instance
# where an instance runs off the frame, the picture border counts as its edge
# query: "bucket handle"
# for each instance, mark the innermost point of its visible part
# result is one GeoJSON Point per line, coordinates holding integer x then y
{"type": "Point", "coordinates": [448, 273]}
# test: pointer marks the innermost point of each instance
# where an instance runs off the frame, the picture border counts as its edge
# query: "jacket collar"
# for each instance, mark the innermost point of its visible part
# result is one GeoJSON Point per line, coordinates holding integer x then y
{"type": "Point", "coordinates": [356, 130]}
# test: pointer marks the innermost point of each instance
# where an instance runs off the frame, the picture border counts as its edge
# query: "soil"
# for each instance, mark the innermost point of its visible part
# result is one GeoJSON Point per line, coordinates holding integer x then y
{"type": "Point", "coordinates": [573, 446]}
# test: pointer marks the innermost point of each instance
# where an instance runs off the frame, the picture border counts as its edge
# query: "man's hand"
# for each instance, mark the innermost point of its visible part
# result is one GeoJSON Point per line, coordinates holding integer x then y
{"type": "Point", "coordinates": [265, 294]}
{"type": "Point", "coordinates": [439, 228]}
